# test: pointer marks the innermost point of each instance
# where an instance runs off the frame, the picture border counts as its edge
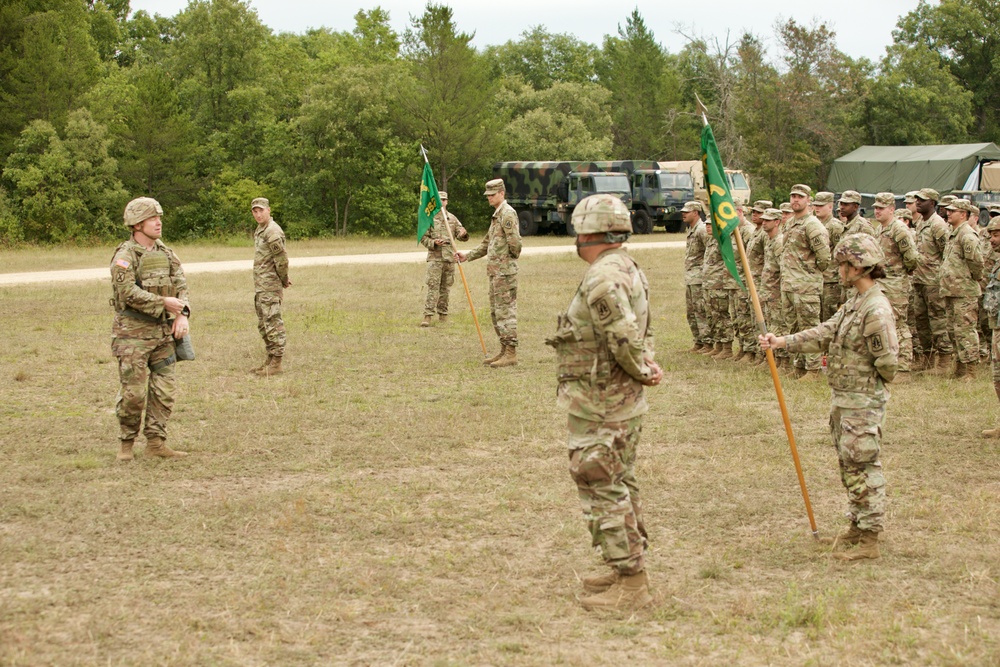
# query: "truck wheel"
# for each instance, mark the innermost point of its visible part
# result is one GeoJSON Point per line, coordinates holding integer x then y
{"type": "Point", "coordinates": [526, 223]}
{"type": "Point", "coordinates": [641, 222]}
{"type": "Point", "coordinates": [673, 223]}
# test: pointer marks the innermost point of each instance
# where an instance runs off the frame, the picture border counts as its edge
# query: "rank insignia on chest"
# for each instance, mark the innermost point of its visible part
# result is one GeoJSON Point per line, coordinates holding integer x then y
{"type": "Point", "coordinates": [877, 343]}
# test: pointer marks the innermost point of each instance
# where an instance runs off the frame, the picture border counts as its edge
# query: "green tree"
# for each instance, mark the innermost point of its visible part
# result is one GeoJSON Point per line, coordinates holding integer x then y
{"type": "Point", "coordinates": [542, 59]}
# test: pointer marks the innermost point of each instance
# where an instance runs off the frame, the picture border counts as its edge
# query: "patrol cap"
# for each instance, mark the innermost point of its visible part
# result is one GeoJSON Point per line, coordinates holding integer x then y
{"type": "Point", "coordinates": [850, 197]}
{"type": "Point", "coordinates": [260, 202]}
{"type": "Point", "coordinates": [141, 209]}
{"type": "Point", "coordinates": [693, 206]}
{"type": "Point", "coordinates": [823, 198]}
{"type": "Point", "coordinates": [994, 224]}
{"type": "Point", "coordinates": [928, 193]}
{"type": "Point", "coordinates": [961, 205]}
{"type": "Point", "coordinates": [903, 214]}
{"type": "Point", "coordinates": [771, 214]}
{"type": "Point", "coordinates": [885, 200]}
{"type": "Point", "coordinates": [738, 201]}
{"type": "Point", "coordinates": [945, 200]}
{"type": "Point", "coordinates": [443, 195]}
{"type": "Point", "coordinates": [786, 207]}
{"type": "Point", "coordinates": [994, 209]}
{"type": "Point", "coordinates": [801, 189]}
{"type": "Point", "coordinates": [910, 197]}
{"type": "Point", "coordinates": [762, 205]}
{"type": "Point", "coordinates": [494, 186]}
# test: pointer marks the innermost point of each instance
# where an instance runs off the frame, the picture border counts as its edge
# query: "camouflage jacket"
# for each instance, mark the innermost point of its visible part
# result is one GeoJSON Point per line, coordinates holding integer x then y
{"type": "Point", "coordinates": [604, 342]}
{"type": "Point", "coordinates": [502, 245]}
{"type": "Point", "coordinates": [436, 231]}
{"type": "Point", "coordinates": [900, 251]}
{"type": "Point", "coordinates": [770, 277]}
{"type": "Point", "coordinates": [694, 253]}
{"type": "Point", "coordinates": [932, 235]}
{"type": "Point", "coordinates": [861, 346]}
{"type": "Point", "coordinates": [962, 264]}
{"type": "Point", "coordinates": [857, 225]}
{"type": "Point", "coordinates": [835, 231]}
{"type": "Point", "coordinates": [270, 260]}
{"type": "Point", "coordinates": [140, 279]}
{"type": "Point", "coordinates": [755, 252]}
{"type": "Point", "coordinates": [988, 254]}
{"type": "Point", "coordinates": [991, 295]}
{"type": "Point", "coordinates": [805, 254]}
{"type": "Point", "coordinates": [715, 275]}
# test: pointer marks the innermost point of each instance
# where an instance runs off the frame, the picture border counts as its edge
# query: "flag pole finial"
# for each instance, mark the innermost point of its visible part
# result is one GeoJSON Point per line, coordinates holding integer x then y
{"type": "Point", "coordinates": [702, 109]}
{"type": "Point", "coordinates": [423, 151]}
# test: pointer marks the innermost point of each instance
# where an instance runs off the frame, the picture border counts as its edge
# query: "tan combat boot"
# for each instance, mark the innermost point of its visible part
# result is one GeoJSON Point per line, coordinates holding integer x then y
{"type": "Point", "coordinates": [601, 583]}
{"type": "Point", "coordinates": [629, 592]}
{"type": "Point", "coordinates": [943, 365]}
{"type": "Point", "coordinates": [495, 357]}
{"type": "Point", "coordinates": [157, 447]}
{"type": "Point", "coordinates": [920, 362]}
{"type": "Point", "coordinates": [695, 348]}
{"type": "Point", "coordinates": [739, 356]}
{"type": "Point", "coordinates": [810, 376]}
{"type": "Point", "coordinates": [760, 359]}
{"type": "Point", "coordinates": [508, 358]}
{"type": "Point", "coordinates": [443, 319]}
{"type": "Point", "coordinates": [726, 353]}
{"type": "Point", "coordinates": [706, 349]}
{"type": "Point", "coordinates": [850, 536]}
{"type": "Point", "coordinates": [273, 367]}
{"type": "Point", "coordinates": [258, 369]}
{"type": "Point", "coordinates": [125, 450]}
{"type": "Point", "coordinates": [717, 350]}
{"type": "Point", "coordinates": [426, 321]}
{"type": "Point", "coordinates": [902, 377]}
{"type": "Point", "coordinates": [968, 373]}
{"type": "Point", "coordinates": [867, 548]}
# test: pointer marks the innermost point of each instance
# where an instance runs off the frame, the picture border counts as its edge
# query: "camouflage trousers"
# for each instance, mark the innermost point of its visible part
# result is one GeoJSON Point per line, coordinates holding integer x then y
{"type": "Point", "coordinates": [720, 321]}
{"type": "Point", "coordinates": [771, 305]}
{"type": "Point", "coordinates": [269, 322]}
{"type": "Point", "coordinates": [985, 332]}
{"type": "Point", "coordinates": [440, 278]}
{"type": "Point", "coordinates": [744, 329]}
{"type": "Point", "coordinates": [931, 332]}
{"type": "Point", "coordinates": [798, 313]}
{"type": "Point", "coordinates": [995, 356]}
{"type": "Point", "coordinates": [857, 435]}
{"type": "Point", "coordinates": [963, 322]}
{"type": "Point", "coordinates": [602, 463]}
{"type": "Point", "coordinates": [697, 314]}
{"type": "Point", "coordinates": [897, 291]}
{"type": "Point", "coordinates": [503, 308]}
{"type": "Point", "coordinates": [830, 301]}
{"type": "Point", "coordinates": [143, 387]}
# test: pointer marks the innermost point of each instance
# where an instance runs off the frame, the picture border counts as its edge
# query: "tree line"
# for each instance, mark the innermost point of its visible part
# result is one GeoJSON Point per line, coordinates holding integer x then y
{"type": "Point", "coordinates": [209, 108]}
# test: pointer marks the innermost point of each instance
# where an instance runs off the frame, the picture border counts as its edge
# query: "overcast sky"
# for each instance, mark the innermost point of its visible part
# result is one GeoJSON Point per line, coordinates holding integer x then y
{"type": "Point", "coordinates": [863, 27]}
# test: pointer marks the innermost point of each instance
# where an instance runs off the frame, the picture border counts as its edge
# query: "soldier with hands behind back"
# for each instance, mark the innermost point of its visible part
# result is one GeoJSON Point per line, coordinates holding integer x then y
{"type": "Point", "coordinates": [270, 278]}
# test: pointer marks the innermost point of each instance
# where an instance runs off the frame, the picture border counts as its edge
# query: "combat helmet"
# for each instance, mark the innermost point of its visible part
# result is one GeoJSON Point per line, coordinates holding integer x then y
{"type": "Point", "coordinates": [603, 213]}
{"type": "Point", "coordinates": [860, 250]}
{"type": "Point", "coordinates": [140, 210]}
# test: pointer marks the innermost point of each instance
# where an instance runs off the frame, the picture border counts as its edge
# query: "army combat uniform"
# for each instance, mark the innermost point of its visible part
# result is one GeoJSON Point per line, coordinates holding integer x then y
{"type": "Point", "coordinates": [901, 259]}
{"type": "Point", "coordinates": [961, 269]}
{"type": "Point", "coordinates": [696, 307]}
{"type": "Point", "coordinates": [718, 287]}
{"type": "Point", "coordinates": [441, 263]}
{"type": "Point", "coordinates": [931, 333]}
{"type": "Point", "coordinates": [833, 292]}
{"type": "Point", "coordinates": [270, 277]}
{"type": "Point", "coordinates": [502, 247]}
{"type": "Point", "coordinates": [805, 255]}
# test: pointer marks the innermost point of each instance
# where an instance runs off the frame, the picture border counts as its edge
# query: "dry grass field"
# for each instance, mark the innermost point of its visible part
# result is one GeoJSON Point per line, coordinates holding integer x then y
{"type": "Point", "coordinates": [389, 501]}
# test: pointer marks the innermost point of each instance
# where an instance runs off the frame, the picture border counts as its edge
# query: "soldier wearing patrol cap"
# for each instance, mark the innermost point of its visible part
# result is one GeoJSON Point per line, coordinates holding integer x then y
{"type": "Point", "coordinates": [943, 202]}
{"type": "Point", "coordinates": [833, 293]}
{"type": "Point", "coordinates": [440, 262]}
{"type": "Point", "coordinates": [501, 247]}
{"type": "Point", "coordinates": [604, 349]}
{"type": "Point", "coordinates": [270, 278]}
{"type": "Point", "coordinates": [961, 269]}
{"type": "Point", "coordinates": [931, 342]}
{"type": "Point", "coordinates": [694, 254]}
{"type": "Point", "coordinates": [910, 202]}
{"type": "Point", "coordinates": [861, 346]}
{"type": "Point", "coordinates": [850, 207]}
{"type": "Point", "coordinates": [900, 260]}
{"type": "Point", "coordinates": [150, 298]}
{"type": "Point", "coordinates": [770, 280]}
{"type": "Point", "coordinates": [991, 305]}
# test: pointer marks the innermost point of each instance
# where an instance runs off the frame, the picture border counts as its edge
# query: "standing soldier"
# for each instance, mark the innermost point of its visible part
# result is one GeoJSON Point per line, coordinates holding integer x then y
{"type": "Point", "coordinates": [717, 283]}
{"type": "Point", "coordinates": [502, 247]}
{"type": "Point", "coordinates": [991, 304]}
{"type": "Point", "coordinates": [900, 260]}
{"type": "Point", "coordinates": [694, 255]}
{"type": "Point", "coordinates": [150, 298]}
{"type": "Point", "coordinates": [786, 214]}
{"type": "Point", "coordinates": [770, 280]}
{"type": "Point", "coordinates": [753, 237]}
{"type": "Point", "coordinates": [986, 250]}
{"type": "Point", "coordinates": [604, 348]}
{"type": "Point", "coordinates": [961, 268]}
{"type": "Point", "coordinates": [270, 278]}
{"type": "Point", "coordinates": [833, 293]}
{"type": "Point", "coordinates": [860, 340]}
{"type": "Point", "coordinates": [440, 262]}
{"type": "Point", "coordinates": [850, 204]}
{"type": "Point", "coordinates": [805, 254]}
{"type": "Point", "coordinates": [932, 339]}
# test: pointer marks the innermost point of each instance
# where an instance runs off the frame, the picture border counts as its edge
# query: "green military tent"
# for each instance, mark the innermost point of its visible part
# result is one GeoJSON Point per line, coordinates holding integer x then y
{"type": "Point", "coordinates": [901, 169]}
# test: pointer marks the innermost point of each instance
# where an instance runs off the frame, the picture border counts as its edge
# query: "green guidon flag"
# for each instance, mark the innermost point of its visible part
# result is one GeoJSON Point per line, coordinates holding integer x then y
{"type": "Point", "coordinates": [720, 200]}
{"type": "Point", "coordinates": [430, 202]}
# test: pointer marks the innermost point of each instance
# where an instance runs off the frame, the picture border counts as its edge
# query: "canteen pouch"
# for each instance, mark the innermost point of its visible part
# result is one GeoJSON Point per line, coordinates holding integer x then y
{"type": "Point", "coordinates": [183, 349]}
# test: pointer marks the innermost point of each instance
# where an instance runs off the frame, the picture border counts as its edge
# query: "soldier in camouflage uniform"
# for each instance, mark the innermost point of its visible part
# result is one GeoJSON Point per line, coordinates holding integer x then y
{"type": "Point", "coordinates": [787, 213]}
{"type": "Point", "coordinates": [604, 347]}
{"type": "Point", "coordinates": [150, 298]}
{"type": "Point", "coordinates": [961, 268]}
{"type": "Point", "coordinates": [270, 278]}
{"type": "Point", "coordinates": [754, 237]}
{"type": "Point", "coordinates": [805, 254]}
{"type": "Point", "coordinates": [833, 293]}
{"type": "Point", "coordinates": [717, 286]}
{"type": "Point", "coordinates": [991, 304]}
{"type": "Point", "coordinates": [770, 279]}
{"type": "Point", "coordinates": [501, 247]}
{"type": "Point", "coordinates": [850, 204]}
{"type": "Point", "coordinates": [694, 255]}
{"type": "Point", "coordinates": [440, 262]}
{"type": "Point", "coordinates": [861, 347]}
{"type": "Point", "coordinates": [986, 250]}
{"type": "Point", "coordinates": [900, 260]}
{"type": "Point", "coordinates": [932, 344]}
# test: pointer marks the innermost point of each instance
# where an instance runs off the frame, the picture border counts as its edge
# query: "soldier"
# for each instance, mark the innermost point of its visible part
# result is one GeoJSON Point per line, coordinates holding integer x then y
{"type": "Point", "coordinates": [991, 304]}
{"type": "Point", "coordinates": [961, 268]}
{"type": "Point", "coordinates": [717, 285]}
{"type": "Point", "coordinates": [694, 255]}
{"type": "Point", "coordinates": [756, 247]}
{"type": "Point", "coordinates": [900, 260]}
{"type": "Point", "coordinates": [986, 250]}
{"type": "Point", "coordinates": [770, 279]}
{"type": "Point", "coordinates": [440, 262]}
{"type": "Point", "coordinates": [932, 344]}
{"type": "Point", "coordinates": [942, 205]}
{"type": "Point", "coordinates": [150, 298]}
{"type": "Point", "coordinates": [270, 278]}
{"type": "Point", "coordinates": [786, 214]}
{"type": "Point", "coordinates": [860, 341]}
{"type": "Point", "coordinates": [604, 348]}
{"type": "Point", "coordinates": [502, 247]}
{"type": "Point", "coordinates": [805, 254]}
{"type": "Point", "coordinates": [850, 204]}
{"type": "Point", "coordinates": [742, 310]}
{"type": "Point", "coordinates": [910, 202]}
{"type": "Point", "coordinates": [833, 293]}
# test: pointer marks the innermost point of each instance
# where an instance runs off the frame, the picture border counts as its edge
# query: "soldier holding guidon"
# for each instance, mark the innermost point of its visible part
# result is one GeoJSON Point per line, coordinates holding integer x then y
{"type": "Point", "coordinates": [270, 278]}
{"type": "Point", "coordinates": [440, 262]}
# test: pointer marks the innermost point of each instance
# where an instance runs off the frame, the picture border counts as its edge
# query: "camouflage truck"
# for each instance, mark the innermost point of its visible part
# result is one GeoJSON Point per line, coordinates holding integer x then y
{"type": "Point", "coordinates": [657, 198]}
{"type": "Point", "coordinates": [739, 187]}
{"type": "Point", "coordinates": [544, 194]}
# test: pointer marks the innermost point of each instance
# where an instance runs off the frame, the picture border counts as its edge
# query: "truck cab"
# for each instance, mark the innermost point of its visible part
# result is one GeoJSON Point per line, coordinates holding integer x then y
{"type": "Point", "coordinates": [657, 198]}
{"type": "Point", "coordinates": [584, 184]}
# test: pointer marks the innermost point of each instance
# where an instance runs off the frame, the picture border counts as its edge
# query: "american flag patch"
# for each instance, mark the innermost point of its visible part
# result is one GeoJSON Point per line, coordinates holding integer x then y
{"type": "Point", "coordinates": [122, 263]}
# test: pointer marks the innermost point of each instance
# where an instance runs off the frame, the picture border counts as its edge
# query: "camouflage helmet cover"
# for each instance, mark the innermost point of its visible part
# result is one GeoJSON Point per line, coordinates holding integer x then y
{"type": "Point", "coordinates": [860, 250]}
{"type": "Point", "coordinates": [141, 209]}
{"type": "Point", "coordinates": [601, 213]}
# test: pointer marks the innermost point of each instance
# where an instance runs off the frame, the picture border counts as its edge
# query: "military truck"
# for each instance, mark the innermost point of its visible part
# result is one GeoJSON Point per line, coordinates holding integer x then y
{"type": "Point", "coordinates": [657, 198]}
{"type": "Point", "coordinates": [739, 186]}
{"type": "Point", "coordinates": [544, 194]}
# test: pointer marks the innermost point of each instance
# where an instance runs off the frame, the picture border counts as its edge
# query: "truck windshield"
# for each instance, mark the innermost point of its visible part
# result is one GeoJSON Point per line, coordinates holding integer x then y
{"type": "Point", "coordinates": [737, 181]}
{"type": "Point", "coordinates": [676, 181]}
{"type": "Point", "coordinates": [611, 183]}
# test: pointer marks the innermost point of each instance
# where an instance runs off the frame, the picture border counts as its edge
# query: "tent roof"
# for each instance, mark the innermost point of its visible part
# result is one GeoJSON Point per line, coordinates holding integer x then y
{"type": "Point", "coordinates": [904, 168]}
